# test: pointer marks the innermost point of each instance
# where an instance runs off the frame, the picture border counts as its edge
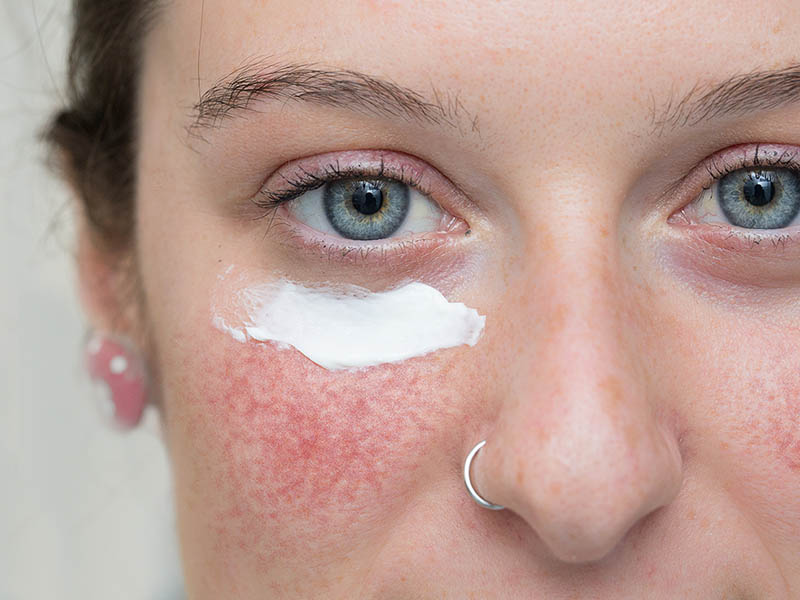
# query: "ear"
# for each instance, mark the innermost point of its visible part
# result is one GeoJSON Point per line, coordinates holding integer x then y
{"type": "Point", "coordinates": [106, 284]}
{"type": "Point", "coordinates": [108, 289]}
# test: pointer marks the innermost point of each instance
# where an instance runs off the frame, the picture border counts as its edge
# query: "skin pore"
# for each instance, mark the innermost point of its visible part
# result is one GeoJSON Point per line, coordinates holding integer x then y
{"type": "Point", "coordinates": [637, 381]}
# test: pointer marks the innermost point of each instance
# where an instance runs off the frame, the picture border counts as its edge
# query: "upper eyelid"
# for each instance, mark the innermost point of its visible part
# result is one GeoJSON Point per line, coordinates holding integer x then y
{"type": "Point", "coordinates": [273, 200]}
{"type": "Point", "coordinates": [768, 158]}
{"type": "Point", "coordinates": [335, 173]}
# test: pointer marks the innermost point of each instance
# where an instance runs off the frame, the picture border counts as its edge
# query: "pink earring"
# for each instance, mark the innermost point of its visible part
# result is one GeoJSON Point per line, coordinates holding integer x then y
{"type": "Point", "coordinates": [116, 364]}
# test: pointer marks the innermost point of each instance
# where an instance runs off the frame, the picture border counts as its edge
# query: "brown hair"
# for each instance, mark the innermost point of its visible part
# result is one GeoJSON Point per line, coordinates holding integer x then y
{"type": "Point", "coordinates": [94, 135]}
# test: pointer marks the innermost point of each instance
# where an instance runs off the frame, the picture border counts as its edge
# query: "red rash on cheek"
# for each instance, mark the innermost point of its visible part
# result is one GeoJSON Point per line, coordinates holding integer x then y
{"type": "Point", "coordinates": [763, 449]}
{"type": "Point", "coordinates": [271, 449]}
{"type": "Point", "coordinates": [772, 420]}
{"type": "Point", "coordinates": [784, 429]}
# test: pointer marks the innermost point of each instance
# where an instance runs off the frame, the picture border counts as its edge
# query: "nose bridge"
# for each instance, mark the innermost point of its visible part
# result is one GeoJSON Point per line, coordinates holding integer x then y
{"type": "Point", "coordinates": [577, 450]}
{"type": "Point", "coordinates": [581, 373]}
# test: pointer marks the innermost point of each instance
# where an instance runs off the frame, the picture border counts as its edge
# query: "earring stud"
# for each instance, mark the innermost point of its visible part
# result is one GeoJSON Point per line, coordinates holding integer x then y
{"type": "Point", "coordinates": [114, 363]}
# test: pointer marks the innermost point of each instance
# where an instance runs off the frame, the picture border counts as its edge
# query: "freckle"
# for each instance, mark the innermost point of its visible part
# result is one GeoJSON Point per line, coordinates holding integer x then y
{"type": "Point", "coordinates": [784, 429]}
{"type": "Point", "coordinates": [632, 435]}
{"type": "Point", "coordinates": [546, 241]}
{"type": "Point", "coordinates": [557, 319]}
{"type": "Point", "coordinates": [613, 396]}
{"type": "Point", "coordinates": [555, 488]}
{"type": "Point", "coordinates": [691, 515]}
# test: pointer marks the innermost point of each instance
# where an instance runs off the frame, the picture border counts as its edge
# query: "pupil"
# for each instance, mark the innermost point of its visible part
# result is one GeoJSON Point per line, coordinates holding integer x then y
{"type": "Point", "coordinates": [367, 198]}
{"type": "Point", "coordinates": [758, 190]}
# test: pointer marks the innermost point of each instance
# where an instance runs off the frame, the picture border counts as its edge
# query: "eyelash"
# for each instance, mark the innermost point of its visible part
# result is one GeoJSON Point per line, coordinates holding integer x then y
{"type": "Point", "coordinates": [781, 160]}
{"type": "Point", "coordinates": [306, 182]}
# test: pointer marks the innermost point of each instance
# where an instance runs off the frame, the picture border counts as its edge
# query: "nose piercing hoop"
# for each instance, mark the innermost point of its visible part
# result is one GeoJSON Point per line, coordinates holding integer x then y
{"type": "Point", "coordinates": [475, 495]}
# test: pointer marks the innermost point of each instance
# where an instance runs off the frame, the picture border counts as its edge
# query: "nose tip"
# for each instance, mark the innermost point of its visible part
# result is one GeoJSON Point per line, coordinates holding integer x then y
{"type": "Point", "coordinates": [583, 516]}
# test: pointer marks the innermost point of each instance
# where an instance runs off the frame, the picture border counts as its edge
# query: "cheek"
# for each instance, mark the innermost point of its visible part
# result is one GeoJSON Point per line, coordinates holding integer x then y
{"type": "Point", "coordinates": [786, 432]}
{"type": "Point", "coordinates": [269, 449]}
{"type": "Point", "coordinates": [774, 424]}
{"type": "Point", "coordinates": [761, 396]}
{"type": "Point", "coordinates": [756, 411]}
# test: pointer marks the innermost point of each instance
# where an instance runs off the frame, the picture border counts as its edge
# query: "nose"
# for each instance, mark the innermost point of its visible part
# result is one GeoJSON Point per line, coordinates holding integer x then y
{"type": "Point", "coordinates": [581, 448]}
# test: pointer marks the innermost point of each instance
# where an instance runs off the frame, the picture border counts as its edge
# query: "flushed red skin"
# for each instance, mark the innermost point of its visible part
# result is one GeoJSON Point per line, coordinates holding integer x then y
{"type": "Point", "coordinates": [294, 450]}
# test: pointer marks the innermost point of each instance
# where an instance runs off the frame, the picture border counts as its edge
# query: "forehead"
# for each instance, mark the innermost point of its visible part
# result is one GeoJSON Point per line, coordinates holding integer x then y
{"type": "Point", "coordinates": [523, 66]}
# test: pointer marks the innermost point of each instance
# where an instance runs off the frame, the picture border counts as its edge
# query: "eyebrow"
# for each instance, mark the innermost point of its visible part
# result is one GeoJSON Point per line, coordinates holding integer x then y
{"type": "Point", "coordinates": [735, 96]}
{"type": "Point", "coordinates": [366, 94]}
{"type": "Point", "coordinates": [339, 88]}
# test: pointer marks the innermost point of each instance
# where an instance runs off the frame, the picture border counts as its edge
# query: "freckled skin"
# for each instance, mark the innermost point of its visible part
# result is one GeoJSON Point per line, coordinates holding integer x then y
{"type": "Point", "coordinates": [640, 396]}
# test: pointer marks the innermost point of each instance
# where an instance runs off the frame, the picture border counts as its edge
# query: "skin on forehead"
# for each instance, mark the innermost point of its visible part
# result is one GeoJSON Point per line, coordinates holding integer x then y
{"type": "Point", "coordinates": [295, 481]}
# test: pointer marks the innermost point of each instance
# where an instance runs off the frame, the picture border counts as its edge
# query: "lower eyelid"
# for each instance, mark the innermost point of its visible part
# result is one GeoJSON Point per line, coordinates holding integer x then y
{"type": "Point", "coordinates": [780, 244]}
{"type": "Point", "coordinates": [319, 248]}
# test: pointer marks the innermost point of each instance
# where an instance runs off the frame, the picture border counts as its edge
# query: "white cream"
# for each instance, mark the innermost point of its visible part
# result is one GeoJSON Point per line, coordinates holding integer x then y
{"type": "Point", "coordinates": [350, 327]}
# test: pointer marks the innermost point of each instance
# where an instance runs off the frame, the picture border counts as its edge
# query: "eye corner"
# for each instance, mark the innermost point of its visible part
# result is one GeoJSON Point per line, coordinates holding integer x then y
{"type": "Point", "coordinates": [679, 217]}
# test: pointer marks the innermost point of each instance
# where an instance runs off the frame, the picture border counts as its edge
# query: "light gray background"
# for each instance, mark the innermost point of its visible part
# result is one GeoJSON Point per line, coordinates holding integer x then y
{"type": "Point", "coordinates": [85, 512]}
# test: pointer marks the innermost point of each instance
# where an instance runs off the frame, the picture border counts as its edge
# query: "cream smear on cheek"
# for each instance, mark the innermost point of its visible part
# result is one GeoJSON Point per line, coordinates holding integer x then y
{"type": "Point", "coordinates": [348, 327]}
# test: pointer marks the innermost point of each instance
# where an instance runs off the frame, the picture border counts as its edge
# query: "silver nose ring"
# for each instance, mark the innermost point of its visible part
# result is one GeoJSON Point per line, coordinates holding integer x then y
{"type": "Point", "coordinates": [475, 495]}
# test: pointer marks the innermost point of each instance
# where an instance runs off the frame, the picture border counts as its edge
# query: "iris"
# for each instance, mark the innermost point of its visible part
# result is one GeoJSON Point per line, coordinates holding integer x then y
{"type": "Point", "coordinates": [765, 199]}
{"type": "Point", "coordinates": [366, 209]}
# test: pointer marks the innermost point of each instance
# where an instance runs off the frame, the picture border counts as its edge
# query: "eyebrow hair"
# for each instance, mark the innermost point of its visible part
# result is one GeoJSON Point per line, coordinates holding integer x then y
{"type": "Point", "coordinates": [735, 96]}
{"type": "Point", "coordinates": [340, 88]}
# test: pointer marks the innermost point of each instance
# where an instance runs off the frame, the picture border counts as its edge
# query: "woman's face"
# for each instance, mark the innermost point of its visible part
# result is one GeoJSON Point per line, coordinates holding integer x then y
{"type": "Point", "coordinates": [638, 376]}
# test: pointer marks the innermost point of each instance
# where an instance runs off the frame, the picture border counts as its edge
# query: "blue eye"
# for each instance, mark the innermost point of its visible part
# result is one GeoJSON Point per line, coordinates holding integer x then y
{"type": "Point", "coordinates": [366, 209]}
{"type": "Point", "coordinates": [760, 199]}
